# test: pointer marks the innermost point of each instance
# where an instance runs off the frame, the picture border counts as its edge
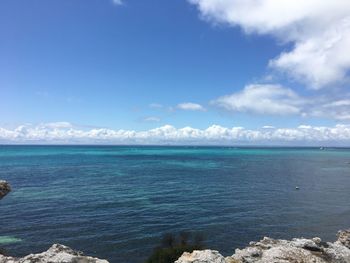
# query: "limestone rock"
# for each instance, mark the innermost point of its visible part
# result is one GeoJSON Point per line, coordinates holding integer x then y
{"type": "Point", "coordinates": [295, 251]}
{"type": "Point", "coordinates": [55, 254]}
{"type": "Point", "coordinates": [344, 238]}
{"type": "Point", "coordinates": [201, 256]}
{"type": "Point", "coordinates": [4, 188]}
{"type": "Point", "coordinates": [268, 250]}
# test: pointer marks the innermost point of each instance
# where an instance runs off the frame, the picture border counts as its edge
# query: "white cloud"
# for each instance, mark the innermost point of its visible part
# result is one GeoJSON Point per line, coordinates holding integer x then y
{"type": "Point", "coordinates": [274, 99]}
{"type": "Point", "coordinates": [268, 127]}
{"type": "Point", "coordinates": [338, 103]}
{"type": "Point", "coordinates": [338, 109]}
{"type": "Point", "coordinates": [152, 119]}
{"type": "Point", "coordinates": [57, 125]}
{"type": "Point", "coordinates": [190, 106]}
{"type": "Point", "coordinates": [214, 134]}
{"type": "Point", "coordinates": [304, 127]}
{"type": "Point", "coordinates": [319, 31]}
{"type": "Point", "coordinates": [118, 2]}
{"type": "Point", "coordinates": [262, 99]}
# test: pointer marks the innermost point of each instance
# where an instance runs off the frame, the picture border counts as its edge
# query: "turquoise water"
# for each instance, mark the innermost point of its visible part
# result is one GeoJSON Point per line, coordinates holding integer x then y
{"type": "Point", "coordinates": [116, 202]}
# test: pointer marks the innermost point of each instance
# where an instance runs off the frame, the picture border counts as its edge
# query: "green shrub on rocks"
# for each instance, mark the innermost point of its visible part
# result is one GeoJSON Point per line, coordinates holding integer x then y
{"type": "Point", "coordinates": [172, 247]}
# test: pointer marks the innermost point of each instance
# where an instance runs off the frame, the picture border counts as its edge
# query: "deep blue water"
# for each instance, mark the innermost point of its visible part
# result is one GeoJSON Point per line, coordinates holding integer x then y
{"type": "Point", "coordinates": [117, 202]}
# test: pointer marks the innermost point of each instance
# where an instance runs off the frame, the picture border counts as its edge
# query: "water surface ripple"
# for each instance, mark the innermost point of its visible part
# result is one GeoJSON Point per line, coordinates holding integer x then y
{"type": "Point", "coordinates": [116, 202]}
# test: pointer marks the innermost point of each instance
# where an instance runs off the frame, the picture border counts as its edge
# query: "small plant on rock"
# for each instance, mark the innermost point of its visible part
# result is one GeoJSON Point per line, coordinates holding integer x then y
{"type": "Point", "coordinates": [173, 246]}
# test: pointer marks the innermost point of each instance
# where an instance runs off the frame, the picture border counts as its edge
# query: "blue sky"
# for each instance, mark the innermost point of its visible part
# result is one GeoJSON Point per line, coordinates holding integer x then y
{"type": "Point", "coordinates": [139, 65]}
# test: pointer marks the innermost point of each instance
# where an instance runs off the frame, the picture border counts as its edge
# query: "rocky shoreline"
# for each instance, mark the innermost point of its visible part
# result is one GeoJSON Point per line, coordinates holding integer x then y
{"type": "Point", "coordinates": [267, 250]}
{"type": "Point", "coordinates": [55, 254]}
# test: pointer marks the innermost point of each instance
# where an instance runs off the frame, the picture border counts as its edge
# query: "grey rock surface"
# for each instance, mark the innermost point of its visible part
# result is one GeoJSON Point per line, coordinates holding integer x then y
{"type": "Point", "coordinates": [55, 254]}
{"type": "Point", "coordinates": [268, 250]}
{"type": "Point", "coordinates": [201, 256]}
{"type": "Point", "coordinates": [344, 237]}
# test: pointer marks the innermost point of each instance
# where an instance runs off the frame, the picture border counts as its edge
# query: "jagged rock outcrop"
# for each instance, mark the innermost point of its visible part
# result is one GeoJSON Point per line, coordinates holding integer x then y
{"type": "Point", "coordinates": [344, 237]}
{"type": "Point", "coordinates": [55, 254]}
{"type": "Point", "coordinates": [4, 188]}
{"type": "Point", "coordinates": [202, 256]}
{"type": "Point", "coordinates": [268, 250]}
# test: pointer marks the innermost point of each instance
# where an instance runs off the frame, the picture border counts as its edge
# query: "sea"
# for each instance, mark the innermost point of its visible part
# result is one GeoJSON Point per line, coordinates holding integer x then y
{"type": "Point", "coordinates": [116, 202]}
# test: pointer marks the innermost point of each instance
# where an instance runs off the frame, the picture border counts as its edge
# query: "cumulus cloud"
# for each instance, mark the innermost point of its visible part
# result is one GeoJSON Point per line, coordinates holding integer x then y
{"type": "Point", "coordinates": [319, 31]}
{"type": "Point", "coordinates": [326, 107]}
{"type": "Point", "coordinates": [214, 134]}
{"type": "Point", "coordinates": [190, 106]}
{"type": "Point", "coordinates": [338, 103]}
{"type": "Point", "coordinates": [262, 99]}
{"type": "Point", "coordinates": [274, 99]}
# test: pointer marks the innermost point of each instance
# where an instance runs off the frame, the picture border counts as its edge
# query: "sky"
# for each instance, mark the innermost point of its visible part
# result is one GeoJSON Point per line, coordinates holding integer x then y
{"type": "Point", "coordinates": [271, 72]}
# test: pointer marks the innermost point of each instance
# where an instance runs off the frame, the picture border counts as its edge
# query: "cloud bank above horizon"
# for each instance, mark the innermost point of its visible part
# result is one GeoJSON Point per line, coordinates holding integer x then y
{"type": "Point", "coordinates": [66, 133]}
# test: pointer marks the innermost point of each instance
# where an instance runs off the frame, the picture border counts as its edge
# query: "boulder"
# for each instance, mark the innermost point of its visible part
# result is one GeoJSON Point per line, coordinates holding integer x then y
{"type": "Point", "coordinates": [201, 256]}
{"type": "Point", "coordinates": [4, 188]}
{"type": "Point", "coordinates": [344, 237]}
